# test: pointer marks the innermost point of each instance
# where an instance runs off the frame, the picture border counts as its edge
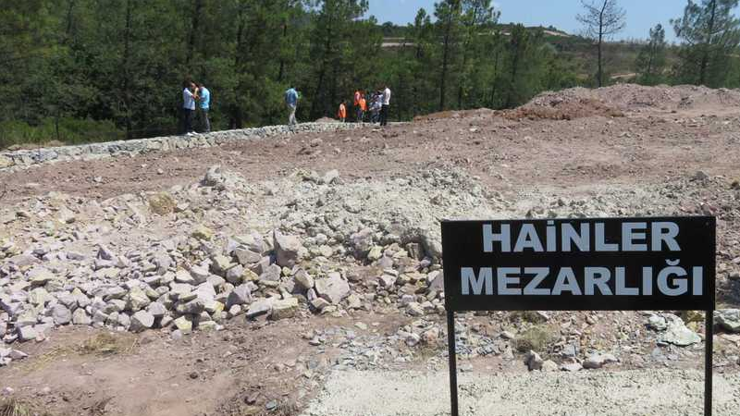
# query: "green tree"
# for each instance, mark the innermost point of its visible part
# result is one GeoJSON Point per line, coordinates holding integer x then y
{"type": "Point", "coordinates": [652, 57]}
{"type": "Point", "coordinates": [478, 20]}
{"type": "Point", "coordinates": [448, 14]}
{"type": "Point", "coordinates": [711, 34]}
{"type": "Point", "coordinates": [339, 39]}
{"type": "Point", "coordinates": [422, 86]}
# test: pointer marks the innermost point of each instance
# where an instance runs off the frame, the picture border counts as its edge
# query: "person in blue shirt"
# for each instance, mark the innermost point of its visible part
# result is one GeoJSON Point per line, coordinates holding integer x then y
{"type": "Point", "coordinates": [291, 99]}
{"type": "Point", "coordinates": [204, 103]}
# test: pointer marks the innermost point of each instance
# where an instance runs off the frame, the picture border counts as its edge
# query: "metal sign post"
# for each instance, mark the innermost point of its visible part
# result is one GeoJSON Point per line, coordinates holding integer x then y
{"type": "Point", "coordinates": [605, 264]}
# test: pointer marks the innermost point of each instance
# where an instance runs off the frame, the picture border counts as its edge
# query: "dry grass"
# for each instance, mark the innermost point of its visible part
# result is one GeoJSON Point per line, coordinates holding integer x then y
{"type": "Point", "coordinates": [283, 409]}
{"type": "Point", "coordinates": [98, 409]}
{"type": "Point", "coordinates": [289, 408]}
{"type": "Point", "coordinates": [102, 344]}
{"type": "Point", "coordinates": [162, 203]}
{"type": "Point", "coordinates": [15, 407]}
{"type": "Point", "coordinates": [531, 317]}
{"type": "Point", "coordinates": [536, 338]}
{"type": "Point", "coordinates": [106, 343]}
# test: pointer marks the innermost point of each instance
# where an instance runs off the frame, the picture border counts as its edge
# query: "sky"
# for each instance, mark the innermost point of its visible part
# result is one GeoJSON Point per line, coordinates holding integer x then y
{"type": "Point", "coordinates": [641, 14]}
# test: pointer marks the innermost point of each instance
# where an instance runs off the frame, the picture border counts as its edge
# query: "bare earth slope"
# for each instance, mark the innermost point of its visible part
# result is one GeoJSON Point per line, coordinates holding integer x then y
{"type": "Point", "coordinates": [90, 250]}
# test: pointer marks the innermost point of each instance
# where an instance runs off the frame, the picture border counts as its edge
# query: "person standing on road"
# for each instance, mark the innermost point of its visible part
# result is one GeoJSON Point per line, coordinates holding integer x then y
{"type": "Point", "coordinates": [384, 109]}
{"type": "Point", "coordinates": [291, 99]}
{"type": "Point", "coordinates": [205, 104]}
{"type": "Point", "coordinates": [188, 107]}
{"type": "Point", "coordinates": [342, 113]}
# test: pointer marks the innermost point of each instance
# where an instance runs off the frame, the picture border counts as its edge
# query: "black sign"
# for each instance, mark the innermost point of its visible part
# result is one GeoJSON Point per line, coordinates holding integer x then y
{"type": "Point", "coordinates": [580, 264]}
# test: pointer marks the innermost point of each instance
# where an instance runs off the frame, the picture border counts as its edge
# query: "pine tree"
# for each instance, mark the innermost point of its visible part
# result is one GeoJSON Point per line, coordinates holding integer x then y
{"type": "Point", "coordinates": [652, 57]}
{"type": "Point", "coordinates": [602, 19]}
{"type": "Point", "coordinates": [478, 20]}
{"type": "Point", "coordinates": [448, 13]}
{"type": "Point", "coordinates": [711, 34]}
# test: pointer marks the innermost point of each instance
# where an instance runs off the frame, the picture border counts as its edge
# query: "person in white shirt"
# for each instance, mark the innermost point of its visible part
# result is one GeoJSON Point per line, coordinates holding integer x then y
{"type": "Point", "coordinates": [386, 103]}
{"type": "Point", "coordinates": [188, 107]}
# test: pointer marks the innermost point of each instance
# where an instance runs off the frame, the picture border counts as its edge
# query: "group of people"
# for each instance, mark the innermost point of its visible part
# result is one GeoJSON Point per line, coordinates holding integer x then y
{"type": "Point", "coordinates": [380, 102]}
{"type": "Point", "coordinates": [195, 95]}
{"type": "Point", "coordinates": [196, 101]}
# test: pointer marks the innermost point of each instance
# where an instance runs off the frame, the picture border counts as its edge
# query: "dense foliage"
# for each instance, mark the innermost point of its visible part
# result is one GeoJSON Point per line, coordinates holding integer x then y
{"type": "Point", "coordinates": [83, 70]}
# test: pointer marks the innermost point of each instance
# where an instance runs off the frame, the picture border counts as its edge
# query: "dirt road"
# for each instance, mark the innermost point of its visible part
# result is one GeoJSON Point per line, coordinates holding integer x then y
{"type": "Point", "coordinates": [628, 393]}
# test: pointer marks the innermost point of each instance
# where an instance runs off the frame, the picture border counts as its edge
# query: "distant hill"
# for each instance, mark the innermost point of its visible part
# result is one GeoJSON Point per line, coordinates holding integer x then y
{"type": "Point", "coordinates": [619, 56]}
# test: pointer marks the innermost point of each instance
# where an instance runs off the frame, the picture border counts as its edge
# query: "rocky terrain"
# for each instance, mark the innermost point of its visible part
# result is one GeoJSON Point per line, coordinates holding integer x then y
{"type": "Point", "coordinates": [253, 273]}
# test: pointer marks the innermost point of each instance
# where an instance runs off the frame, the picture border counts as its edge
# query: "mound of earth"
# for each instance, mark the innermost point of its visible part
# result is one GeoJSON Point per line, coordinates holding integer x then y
{"type": "Point", "coordinates": [634, 98]}
{"type": "Point", "coordinates": [613, 101]}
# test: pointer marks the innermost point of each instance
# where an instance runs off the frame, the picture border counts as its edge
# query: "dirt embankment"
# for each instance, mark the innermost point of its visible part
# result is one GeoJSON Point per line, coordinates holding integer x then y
{"type": "Point", "coordinates": [614, 101]}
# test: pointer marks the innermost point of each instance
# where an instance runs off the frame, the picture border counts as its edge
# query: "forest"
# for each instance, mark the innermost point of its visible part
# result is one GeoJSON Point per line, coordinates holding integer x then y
{"type": "Point", "coordinates": [77, 71]}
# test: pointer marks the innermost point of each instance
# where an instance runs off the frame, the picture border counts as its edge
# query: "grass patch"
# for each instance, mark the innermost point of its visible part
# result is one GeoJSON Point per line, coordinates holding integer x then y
{"type": "Point", "coordinates": [283, 409]}
{"type": "Point", "coordinates": [15, 407]}
{"type": "Point", "coordinates": [536, 338]}
{"type": "Point", "coordinates": [102, 344]}
{"type": "Point", "coordinates": [531, 317]}
{"type": "Point", "coordinates": [106, 343]}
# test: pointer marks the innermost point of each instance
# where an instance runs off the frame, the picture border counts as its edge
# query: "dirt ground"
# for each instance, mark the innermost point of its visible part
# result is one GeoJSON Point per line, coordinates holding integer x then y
{"type": "Point", "coordinates": [642, 147]}
{"type": "Point", "coordinates": [267, 367]}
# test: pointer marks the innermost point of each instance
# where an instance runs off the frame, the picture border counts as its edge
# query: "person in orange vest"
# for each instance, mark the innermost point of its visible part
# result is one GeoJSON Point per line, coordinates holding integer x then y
{"type": "Point", "coordinates": [361, 110]}
{"type": "Point", "coordinates": [356, 103]}
{"type": "Point", "coordinates": [342, 113]}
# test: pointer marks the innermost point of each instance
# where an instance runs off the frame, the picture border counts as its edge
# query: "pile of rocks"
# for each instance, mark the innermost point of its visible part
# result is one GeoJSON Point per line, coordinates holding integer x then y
{"type": "Point", "coordinates": [199, 254]}
{"type": "Point", "coordinates": [24, 158]}
{"type": "Point", "coordinates": [193, 281]}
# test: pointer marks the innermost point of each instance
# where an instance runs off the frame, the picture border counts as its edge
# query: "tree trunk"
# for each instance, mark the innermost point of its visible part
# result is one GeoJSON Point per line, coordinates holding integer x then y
{"type": "Point", "coordinates": [70, 10]}
{"type": "Point", "coordinates": [514, 73]}
{"type": "Point", "coordinates": [281, 71]}
{"type": "Point", "coordinates": [316, 102]}
{"type": "Point", "coordinates": [195, 23]}
{"type": "Point", "coordinates": [599, 73]}
{"type": "Point", "coordinates": [126, 72]}
{"type": "Point", "coordinates": [453, 9]}
{"type": "Point", "coordinates": [707, 42]}
{"type": "Point", "coordinates": [443, 77]}
{"type": "Point", "coordinates": [495, 80]}
{"type": "Point", "coordinates": [235, 113]}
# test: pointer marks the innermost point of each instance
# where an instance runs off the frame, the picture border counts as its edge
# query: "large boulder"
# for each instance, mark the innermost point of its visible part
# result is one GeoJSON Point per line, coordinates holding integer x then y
{"type": "Point", "coordinates": [598, 360]}
{"type": "Point", "coordinates": [141, 320]}
{"type": "Point", "coordinates": [303, 280]}
{"type": "Point", "coordinates": [333, 288]}
{"type": "Point", "coordinates": [728, 319]}
{"type": "Point", "coordinates": [137, 299]}
{"type": "Point", "coordinates": [287, 248]}
{"type": "Point", "coordinates": [61, 314]}
{"type": "Point", "coordinates": [362, 241]}
{"type": "Point", "coordinates": [239, 296]}
{"type": "Point", "coordinates": [677, 333]}
{"type": "Point", "coordinates": [260, 307]}
{"type": "Point", "coordinates": [285, 308]}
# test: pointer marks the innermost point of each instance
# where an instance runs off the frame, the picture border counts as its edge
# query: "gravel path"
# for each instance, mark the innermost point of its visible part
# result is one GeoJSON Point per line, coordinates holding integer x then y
{"type": "Point", "coordinates": [644, 393]}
